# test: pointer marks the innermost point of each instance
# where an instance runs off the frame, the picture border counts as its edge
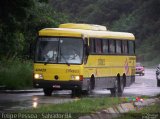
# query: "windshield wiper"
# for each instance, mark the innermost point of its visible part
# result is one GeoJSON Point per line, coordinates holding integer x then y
{"type": "Point", "coordinates": [47, 61]}
{"type": "Point", "coordinates": [64, 59]}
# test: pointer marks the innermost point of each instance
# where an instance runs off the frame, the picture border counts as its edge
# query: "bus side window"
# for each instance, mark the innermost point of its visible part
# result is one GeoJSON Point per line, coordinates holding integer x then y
{"type": "Point", "coordinates": [105, 45]}
{"type": "Point", "coordinates": [131, 47]}
{"type": "Point", "coordinates": [125, 47]}
{"type": "Point", "coordinates": [98, 45]}
{"type": "Point", "coordinates": [112, 47]}
{"type": "Point", "coordinates": [92, 46]}
{"type": "Point", "coordinates": [118, 46]}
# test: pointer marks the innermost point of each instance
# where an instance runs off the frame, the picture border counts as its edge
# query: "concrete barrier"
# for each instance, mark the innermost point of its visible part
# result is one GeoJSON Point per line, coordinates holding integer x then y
{"type": "Point", "coordinates": [116, 111]}
{"type": "Point", "coordinates": [127, 107]}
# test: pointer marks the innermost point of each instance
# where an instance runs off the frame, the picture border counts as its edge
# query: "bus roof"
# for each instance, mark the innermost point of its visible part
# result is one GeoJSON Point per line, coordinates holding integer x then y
{"type": "Point", "coordinates": [87, 30]}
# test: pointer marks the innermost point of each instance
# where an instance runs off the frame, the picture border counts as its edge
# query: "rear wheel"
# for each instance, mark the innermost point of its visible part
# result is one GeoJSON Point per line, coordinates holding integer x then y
{"type": "Point", "coordinates": [158, 83]}
{"type": "Point", "coordinates": [47, 91]}
{"type": "Point", "coordinates": [118, 88]}
{"type": "Point", "coordinates": [114, 91]}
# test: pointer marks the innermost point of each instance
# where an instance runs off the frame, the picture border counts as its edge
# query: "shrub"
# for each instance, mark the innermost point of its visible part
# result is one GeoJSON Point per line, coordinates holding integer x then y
{"type": "Point", "coordinates": [16, 74]}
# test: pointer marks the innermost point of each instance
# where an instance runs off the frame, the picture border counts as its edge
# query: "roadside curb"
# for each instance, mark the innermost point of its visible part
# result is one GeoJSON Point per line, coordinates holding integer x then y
{"type": "Point", "coordinates": [116, 111]}
{"type": "Point", "coordinates": [21, 91]}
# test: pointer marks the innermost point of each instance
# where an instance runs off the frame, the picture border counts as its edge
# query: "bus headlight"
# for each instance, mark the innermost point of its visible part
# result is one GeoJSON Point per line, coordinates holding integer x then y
{"type": "Point", "coordinates": [38, 76]}
{"type": "Point", "coordinates": [77, 78]}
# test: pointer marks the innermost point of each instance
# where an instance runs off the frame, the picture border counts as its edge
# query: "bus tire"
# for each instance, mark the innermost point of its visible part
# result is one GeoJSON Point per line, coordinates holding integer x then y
{"type": "Point", "coordinates": [120, 85]}
{"type": "Point", "coordinates": [114, 91]}
{"type": "Point", "coordinates": [76, 92]}
{"type": "Point", "coordinates": [89, 88]}
{"type": "Point", "coordinates": [47, 91]}
{"type": "Point", "coordinates": [118, 88]}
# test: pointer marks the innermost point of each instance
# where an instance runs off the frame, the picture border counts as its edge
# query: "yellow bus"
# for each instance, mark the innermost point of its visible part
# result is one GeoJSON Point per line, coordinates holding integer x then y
{"type": "Point", "coordinates": [83, 57]}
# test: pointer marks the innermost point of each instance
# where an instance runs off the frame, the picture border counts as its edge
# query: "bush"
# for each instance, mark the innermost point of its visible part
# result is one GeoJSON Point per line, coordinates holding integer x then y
{"type": "Point", "coordinates": [16, 74]}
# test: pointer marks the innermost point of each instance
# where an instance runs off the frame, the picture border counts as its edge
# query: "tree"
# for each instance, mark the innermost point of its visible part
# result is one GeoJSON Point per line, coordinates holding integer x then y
{"type": "Point", "coordinates": [20, 21]}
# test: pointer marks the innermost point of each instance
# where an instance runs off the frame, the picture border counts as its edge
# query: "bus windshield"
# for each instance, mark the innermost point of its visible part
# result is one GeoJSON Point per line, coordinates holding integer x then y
{"type": "Point", "coordinates": [59, 50]}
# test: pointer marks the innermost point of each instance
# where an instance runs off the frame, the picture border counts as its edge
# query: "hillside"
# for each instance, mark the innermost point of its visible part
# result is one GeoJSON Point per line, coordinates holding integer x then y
{"type": "Point", "coordinates": [139, 17]}
{"type": "Point", "coordinates": [21, 20]}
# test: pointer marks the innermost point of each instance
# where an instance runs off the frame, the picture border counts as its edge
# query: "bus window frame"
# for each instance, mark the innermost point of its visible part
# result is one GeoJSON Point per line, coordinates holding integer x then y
{"type": "Point", "coordinates": [114, 46]}
{"type": "Point", "coordinates": [124, 51]}
{"type": "Point", "coordinates": [109, 40]}
{"type": "Point", "coordinates": [120, 46]}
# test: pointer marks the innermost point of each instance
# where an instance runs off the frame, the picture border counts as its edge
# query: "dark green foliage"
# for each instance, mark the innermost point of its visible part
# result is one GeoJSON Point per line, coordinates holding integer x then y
{"type": "Point", "coordinates": [141, 17]}
{"type": "Point", "coordinates": [20, 20]}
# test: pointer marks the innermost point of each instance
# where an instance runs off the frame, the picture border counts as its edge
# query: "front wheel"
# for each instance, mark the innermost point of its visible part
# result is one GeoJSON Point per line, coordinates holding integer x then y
{"type": "Point", "coordinates": [90, 86]}
{"type": "Point", "coordinates": [89, 89]}
{"type": "Point", "coordinates": [158, 83]}
{"type": "Point", "coordinates": [47, 91]}
{"type": "Point", "coordinates": [76, 92]}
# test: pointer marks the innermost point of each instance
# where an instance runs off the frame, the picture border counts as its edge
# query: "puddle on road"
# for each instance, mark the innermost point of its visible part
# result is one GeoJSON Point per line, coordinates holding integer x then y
{"type": "Point", "coordinates": [14, 102]}
{"type": "Point", "coordinates": [13, 105]}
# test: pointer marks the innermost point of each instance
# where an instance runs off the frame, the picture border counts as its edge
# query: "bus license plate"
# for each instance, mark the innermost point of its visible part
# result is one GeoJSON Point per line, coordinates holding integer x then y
{"type": "Point", "coordinates": [56, 86]}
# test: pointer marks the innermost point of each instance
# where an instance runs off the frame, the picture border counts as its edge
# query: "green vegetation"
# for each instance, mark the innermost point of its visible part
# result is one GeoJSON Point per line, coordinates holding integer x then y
{"type": "Point", "coordinates": [78, 107]}
{"type": "Point", "coordinates": [20, 21]}
{"type": "Point", "coordinates": [139, 17]}
{"type": "Point", "coordinates": [16, 75]}
{"type": "Point", "coordinates": [19, 25]}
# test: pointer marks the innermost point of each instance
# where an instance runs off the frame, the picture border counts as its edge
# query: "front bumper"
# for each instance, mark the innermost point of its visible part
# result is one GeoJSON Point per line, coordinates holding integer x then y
{"type": "Point", "coordinates": [139, 72]}
{"type": "Point", "coordinates": [58, 85]}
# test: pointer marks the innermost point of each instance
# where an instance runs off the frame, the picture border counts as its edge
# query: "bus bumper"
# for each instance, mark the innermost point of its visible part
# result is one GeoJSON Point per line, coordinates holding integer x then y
{"type": "Point", "coordinates": [57, 85]}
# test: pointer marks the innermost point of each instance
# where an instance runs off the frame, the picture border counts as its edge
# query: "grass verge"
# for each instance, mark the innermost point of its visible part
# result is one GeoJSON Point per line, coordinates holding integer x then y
{"type": "Point", "coordinates": [151, 112]}
{"type": "Point", "coordinates": [16, 74]}
{"type": "Point", "coordinates": [78, 107]}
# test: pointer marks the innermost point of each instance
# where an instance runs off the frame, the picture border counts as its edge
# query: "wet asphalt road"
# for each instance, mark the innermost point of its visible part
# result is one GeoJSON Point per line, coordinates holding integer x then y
{"type": "Point", "coordinates": [144, 85]}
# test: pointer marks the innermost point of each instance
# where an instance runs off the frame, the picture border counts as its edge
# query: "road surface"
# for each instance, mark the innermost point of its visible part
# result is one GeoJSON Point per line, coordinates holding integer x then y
{"type": "Point", "coordinates": [144, 85]}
